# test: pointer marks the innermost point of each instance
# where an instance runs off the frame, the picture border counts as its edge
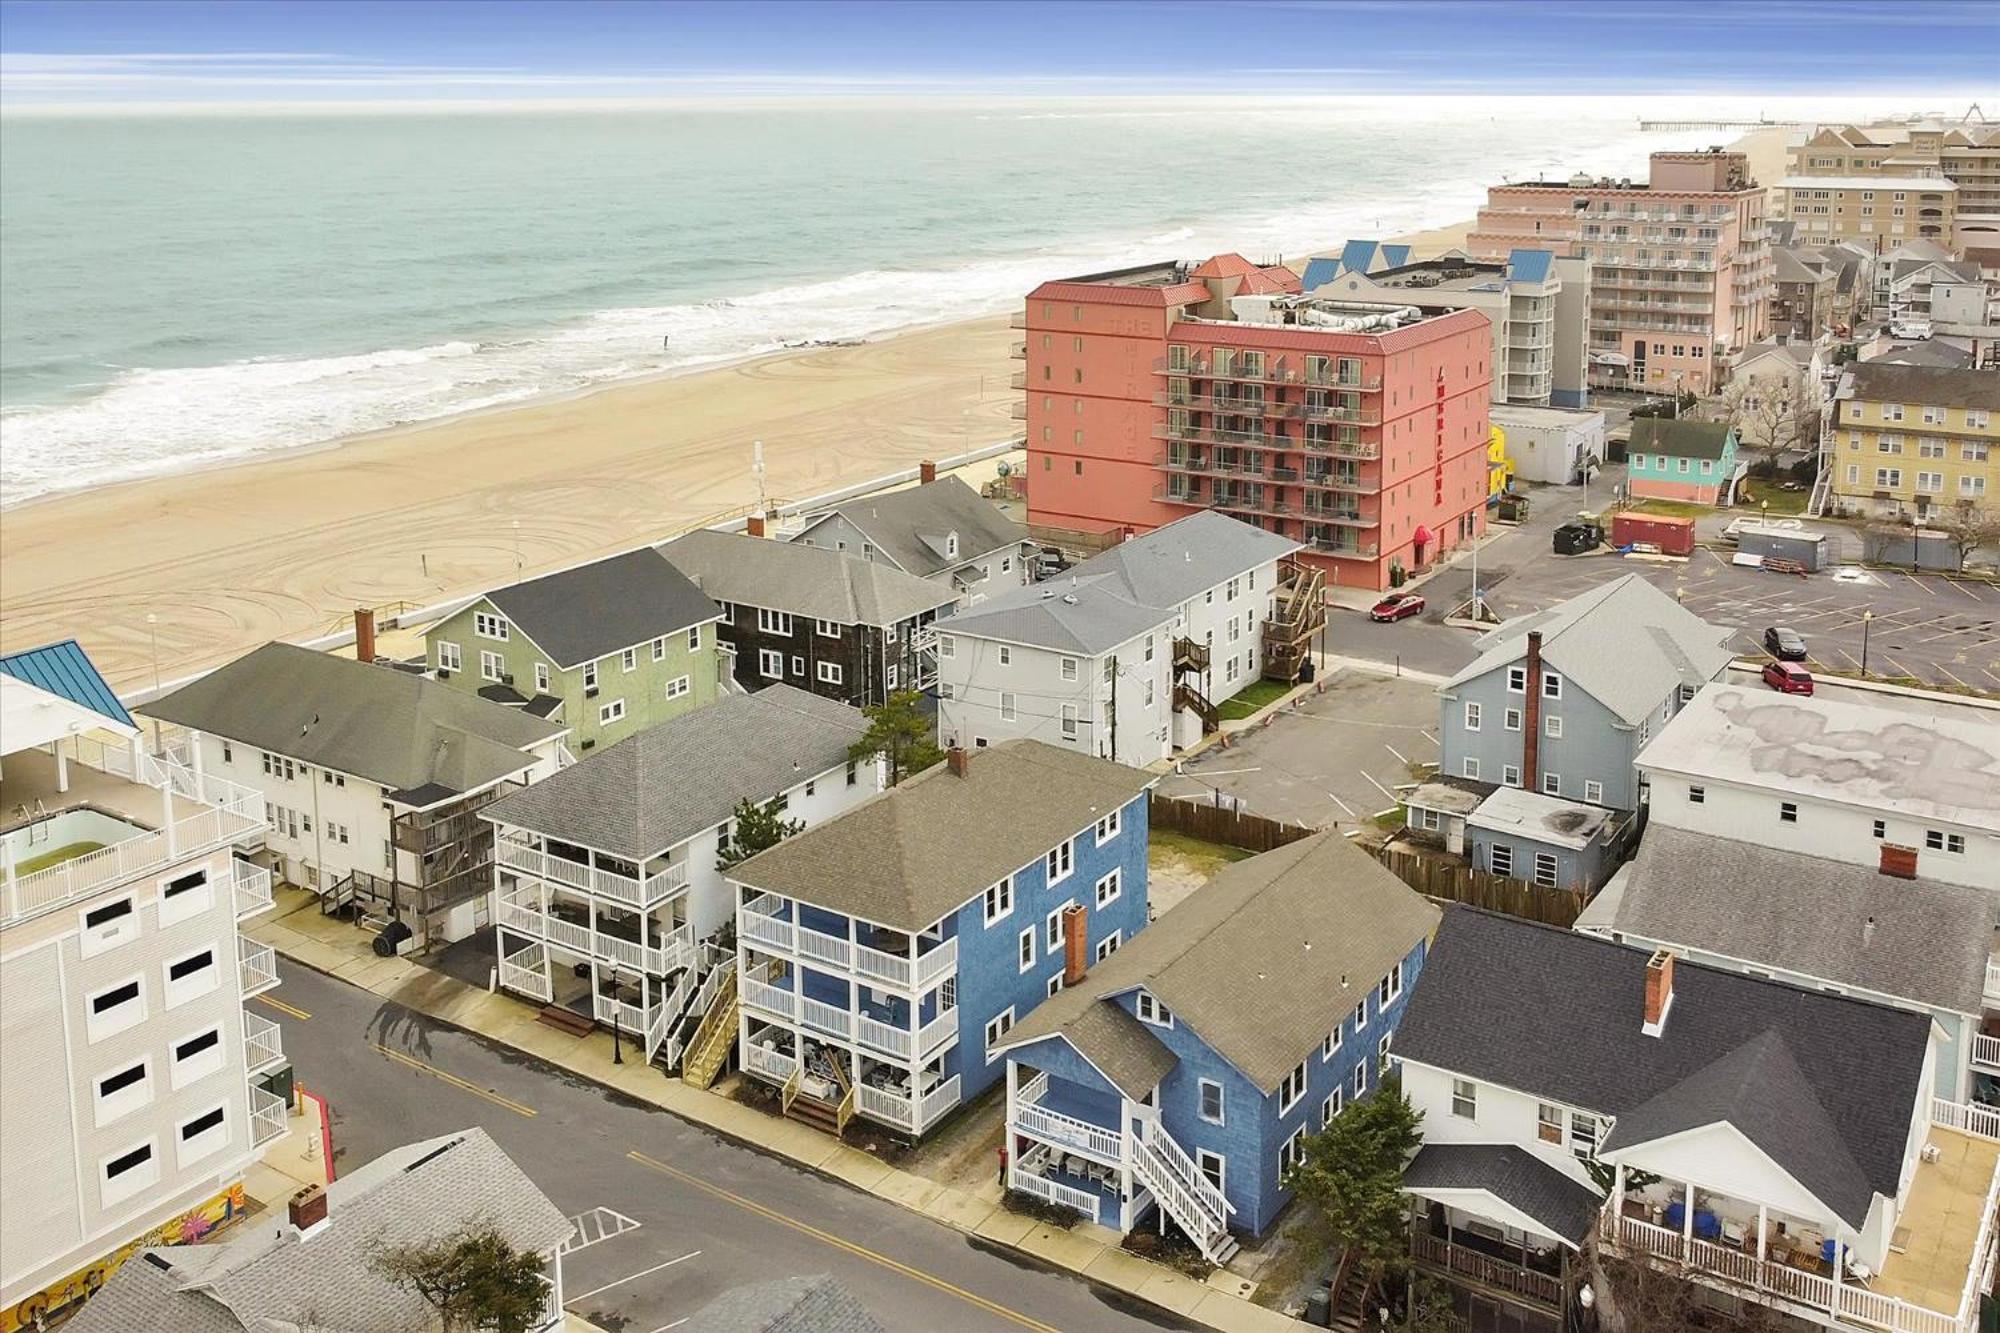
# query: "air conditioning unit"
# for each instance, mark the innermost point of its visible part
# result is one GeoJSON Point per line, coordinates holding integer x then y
{"type": "Point", "coordinates": [590, 692]}
{"type": "Point", "coordinates": [589, 745]}
{"type": "Point", "coordinates": [443, 674]}
{"type": "Point", "coordinates": [506, 679]}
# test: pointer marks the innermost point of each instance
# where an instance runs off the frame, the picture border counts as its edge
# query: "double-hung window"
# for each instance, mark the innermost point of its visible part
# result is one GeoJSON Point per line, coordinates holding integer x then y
{"type": "Point", "coordinates": [1390, 988]}
{"type": "Point", "coordinates": [773, 622]}
{"type": "Point", "coordinates": [1152, 1011]}
{"type": "Point", "coordinates": [770, 664]}
{"type": "Point", "coordinates": [1465, 1099]}
{"type": "Point", "coordinates": [1107, 888]}
{"type": "Point", "coordinates": [1027, 949]}
{"type": "Point", "coordinates": [1107, 827]}
{"type": "Point", "coordinates": [999, 899]}
{"type": "Point", "coordinates": [1209, 1093]}
{"type": "Point", "coordinates": [489, 626]}
{"type": "Point", "coordinates": [1292, 1088]}
{"type": "Point", "coordinates": [492, 666]}
{"type": "Point", "coordinates": [1061, 860]}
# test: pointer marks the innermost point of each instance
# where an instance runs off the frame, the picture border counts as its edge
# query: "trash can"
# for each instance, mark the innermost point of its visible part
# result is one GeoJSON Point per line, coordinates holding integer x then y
{"type": "Point", "coordinates": [278, 1082]}
{"type": "Point", "coordinates": [391, 935]}
{"type": "Point", "coordinates": [1319, 1308]}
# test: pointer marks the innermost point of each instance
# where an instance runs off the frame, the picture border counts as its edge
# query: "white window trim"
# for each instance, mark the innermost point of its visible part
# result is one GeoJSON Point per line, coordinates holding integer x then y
{"type": "Point", "coordinates": [998, 901]}
{"type": "Point", "coordinates": [997, 1027]}
{"type": "Point", "coordinates": [828, 673]}
{"type": "Point", "coordinates": [183, 1073]}
{"type": "Point", "coordinates": [1024, 950]}
{"type": "Point", "coordinates": [188, 902]}
{"type": "Point", "coordinates": [1115, 879]}
{"type": "Point", "coordinates": [766, 658]}
{"type": "Point", "coordinates": [1059, 862]}
{"type": "Point", "coordinates": [128, 1015]}
{"type": "Point", "coordinates": [1150, 1010]}
{"type": "Point", "coordinates": [1473, 715]}
{"type": "Point", "coordinates": [1109, 826]}
{"type": "Point", "coordinates": [1108, 945]}
{"type": "Point", "coordinates": [612, 710]}
{"type": "Point", "coordinates": [1286, 1103]}
{"type": "Point", "coordinates": [196, 984]}
{"type": "Point", "coordinates": [210, 1142]}
{"type": "Point", "coordinates": [121, 928]}
{"type": "Point", "coordinates": [136, 1180]}
{"type": "Point", "coordinates": [1221, 1116]}
{"type": "Point", "coordinates": [680, 686]}
{"type": "Point", "coordinates": [115, 1106]}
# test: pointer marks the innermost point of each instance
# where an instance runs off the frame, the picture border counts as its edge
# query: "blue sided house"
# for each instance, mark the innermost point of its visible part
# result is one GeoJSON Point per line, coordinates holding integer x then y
{"type": "Point", "coordinates": [882, 954]}
{"type": "Point", "coordinates": [1181, 1077]}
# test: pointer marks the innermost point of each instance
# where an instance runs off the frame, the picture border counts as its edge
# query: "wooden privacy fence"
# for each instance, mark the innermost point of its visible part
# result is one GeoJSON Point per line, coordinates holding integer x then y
{"type": "Point", "coordinates": [1215, 823]}
{"type": "Point", "coordinates": [1438, 878]}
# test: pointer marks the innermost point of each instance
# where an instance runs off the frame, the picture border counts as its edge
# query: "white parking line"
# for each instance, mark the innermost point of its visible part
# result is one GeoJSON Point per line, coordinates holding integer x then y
{"type": "Point", "coordinates": [630, 1277]}
{"type": "Point", "coordinates": [1967, 591]}
{"type": "Point", "coordinates": [1922, 583]}
{"type": "Point", "coordinates": [1379, 787]}
{"type": "Point", "coordinates": [1342, 804]}
{"type": "Point", "coordinates": [1401, 758]}
{"type": "Point", "coordinates": [676, 1324]}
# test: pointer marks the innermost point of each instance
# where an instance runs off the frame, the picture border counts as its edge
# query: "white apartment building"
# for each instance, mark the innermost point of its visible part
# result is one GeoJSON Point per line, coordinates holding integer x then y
{"type": "Point", "coordinates": [611, 867]}
{"type": "Point", "coordinates": [371, 777]}
{"type": "Point", "coordinates": [1909, 785]}
{"type": "Point", "coordinates": [128, 1060]}
{"type": "Point", "coordinates": [1126, 656]}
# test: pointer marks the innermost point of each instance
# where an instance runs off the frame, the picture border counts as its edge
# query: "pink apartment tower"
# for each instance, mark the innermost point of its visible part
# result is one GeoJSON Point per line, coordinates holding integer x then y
{"type": "Point", "coordinates": [1681, 266]}
{"type": "Point", "coordinates": [1358, 430]}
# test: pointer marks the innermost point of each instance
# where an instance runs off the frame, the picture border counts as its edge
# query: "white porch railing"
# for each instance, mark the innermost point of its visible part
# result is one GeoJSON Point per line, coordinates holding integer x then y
{"type": "Point", "coordinates": [938, 1032]}
{"type": "Point", "coordinates": [1040, 1122]}
{"type": "Point", "coordinates": [1992, 982]}
{"type": "Point", "coordinates": [824, 948]}
{"type": "Point", "coordinates": [648, 892]}
{"type": "Point", "coordinates": [669, 950]}
{"type": "Point", "coordinates": [759, 923]}
{"type": "Point", "coordinates": [253, 890]}
{"type": "Point", "coordinates": [1055, 1191]}
{"type": "Point", "coordinates": [769, 999]}
{"type": "Point", "coordinates": [262, 1043]}
{"type": "Point", "coordinates": [825, 1017]}
{"type": "Point", "coordinates": [1986, 1052]}
{"type": "Point", "coordinates": [233, 812]}
{"type": "Point", "coordinates": [1967, 1117]}
{"type": "Point", "coordinates": [527, 971]}
{"type": "Point", "coordinates": [895, 1108]}
{"type": "Point", "coordinates": [767, 930]}
{"type": "Point", "coordinates": [770, 1064]}
{"type": "Point", "coordinates": [937, 1103]}
{"type": "Point", "coordinates": [267, 1116]}
{"type": "Point", "coordinates": [259, 966]}
{"type": "Point", "coordinates": [882, 1036]}
{"type": "Point", "coordinates": [1190, 1198]}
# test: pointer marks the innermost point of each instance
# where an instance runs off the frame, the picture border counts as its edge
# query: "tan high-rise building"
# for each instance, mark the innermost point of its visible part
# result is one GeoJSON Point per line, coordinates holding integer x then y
{"type": "Point", "coordinates": [1881, 212]}
{"type": "Point", "coordinates": [1681, 269]}
{"type": "Point", "coordinates": [1967, 155]}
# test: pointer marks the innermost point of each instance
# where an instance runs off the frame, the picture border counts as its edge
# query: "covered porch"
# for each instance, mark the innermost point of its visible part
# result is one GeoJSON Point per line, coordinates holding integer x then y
{"type": "Point", "coordinates": [1500, 1219]}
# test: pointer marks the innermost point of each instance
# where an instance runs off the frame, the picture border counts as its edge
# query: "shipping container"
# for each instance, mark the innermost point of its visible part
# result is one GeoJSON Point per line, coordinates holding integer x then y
{"type": "Point", "coordinates": [1807, 549]}
{"type": "Point", "coordinates": [1675, 536]}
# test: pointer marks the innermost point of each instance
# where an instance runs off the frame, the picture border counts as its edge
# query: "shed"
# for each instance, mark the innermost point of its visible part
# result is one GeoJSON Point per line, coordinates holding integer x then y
{"type": "Point", "coordinates": [1809, 549]}
{"type": "Point", "coordinates": [1546, 840]}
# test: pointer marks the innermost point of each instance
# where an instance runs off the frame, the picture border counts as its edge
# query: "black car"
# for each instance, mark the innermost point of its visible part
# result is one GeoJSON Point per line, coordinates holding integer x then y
{"type": "Point", "coordinates": [1787, 645]}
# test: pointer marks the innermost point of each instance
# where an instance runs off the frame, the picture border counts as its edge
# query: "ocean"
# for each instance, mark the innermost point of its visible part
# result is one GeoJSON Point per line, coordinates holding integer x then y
{"type": "Point", "coordinates": [180, 289]}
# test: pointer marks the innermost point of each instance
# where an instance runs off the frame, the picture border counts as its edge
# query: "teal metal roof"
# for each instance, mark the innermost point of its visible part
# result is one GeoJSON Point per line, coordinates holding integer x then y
{"type": "Point", "coordinates": [1530, 265]}
{"type": "Point", "coordinates": [65, 670]}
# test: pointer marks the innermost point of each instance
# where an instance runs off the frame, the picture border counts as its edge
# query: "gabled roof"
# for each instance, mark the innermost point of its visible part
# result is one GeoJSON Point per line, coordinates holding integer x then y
{"type": "Point", "coordinates": [1123, 592]}
{"type": "Point", "coordinates": [910, 526]}
{"type": "Point", "coordinates": [660, 787]}
{"type": "Point", "coordinates": [1625, 643]}
{"type": "Point", "coordinates": [922, 849]}
{"type": "Point", "coordinates": [1680, 439]}
{"type": "Point", "coordinates": [786, 1305]}
{"type": "Point", "coordinates": [579, 615]}
{"type": "Point", "coordinates": [66, 671]}
{"type": "Point", "coordinates": [421, 740]}
{"type": "Point", "coordinates": [1261, 964]}
{"type": "Point", "coordinates": [1792, 266]}
{"type": "Point", "coordinates": [1841, 1096]}
{"type": "Point", "coordinates": [1516, 1177]}
{"type": "Point", "coordinates": [1915, 939]}
{"type": "Point", "coordinates": [1798, 353]}
{"type": "Point", "coordinates": [1927, 353]}
{"type": "Point", "coordinates": [803, 580]}
{"type": "Point", "coordinates": [260, 1278]}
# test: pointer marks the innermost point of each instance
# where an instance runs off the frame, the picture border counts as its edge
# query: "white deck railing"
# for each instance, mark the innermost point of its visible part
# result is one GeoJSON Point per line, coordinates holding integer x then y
{"type": "Point", "coordinates": [259, 966]}
{"type": "Point", "coordinates": [1986, 1052]}
{"type": "Point", "coordinates": [882, 1036]}
{"type": "Point", "coordinates": [635, 1021]}
{"type": "Point", "coordinates": [825, 1017]}
{"type": "Point", "coordinates": [1992, 981]}
{"type": "Point", "coordinates": [938, 1032]}
{"type": "Point", "coordinates": [665, 952]}
{"type": "Point", "coordinates": [1084, 1201]}
{"type": "Point", "coordinates": [527, 971]}
{"type": "Point", "coordinates": [770, 1064]}
{"type": "Point", "coordinates": [895, 1108]}
{"type": "Point", "coordinates": [759, 923]}
{"type": "Point", "coordinates": [1981, 1122]}
{"type": "Point", "coordinates": [1038, 1121]}
{"type": "Point", "coordinates": [937, 1103]}
{"type": "Point", "coordinates": [262, 1044]}
{"type": "Point", "coordinates": [267, 1116]}
{"type": "Point", "coordinates": [253, 890]}
{"type": "Point", "coordinates": [769, 999]}
{"type": "Point", "coordinates": [649, 892]}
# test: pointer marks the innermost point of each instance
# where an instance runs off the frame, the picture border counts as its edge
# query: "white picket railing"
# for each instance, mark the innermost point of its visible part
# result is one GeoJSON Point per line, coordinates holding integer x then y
{"type": "Point", "coordinates": [1189, 1197]}
{"type": "Point", "coordinates": [259, 966]}
{"type": "Point", "coordinates": [1986, 1052]}
{"type": "Point", "coordinates": [824, 948]}
{"type": "Point", "coordinates": [896, 1108]}
{"type": "Point", "coordinates": [768, 998]}
{"type": "Point", "coordinates": [520, 910]}
{"type": "Point", "coordinates": [262, 1043]}
{"type": "Point", "coordinates": [1992, 981]}
{"type": "Point", "coordinates": [526, 971]}
{"type": "Point", "coordinates": [826, 1017]}
{"type": "Point", "coordinates": [882, 1036]}
{"type": "Point", "coordinates": [1055, 1127]}
{"type": "Point", "coordinates": [648, 892]}
{"type": "Point", "coordinates": [1967, 1117]}
{"type": "Point", "coordinates": [937, 1103]}
{"type": "Point", "coordinates": [253, 890]}
{"type": "Point", "coordinates": [267, 1116]}
{"type": "Point", "coordinates": [1084, 1201]}
{"type": "Point", "coordinates": [634, 1020]}
{"type": "Point", "coordinates": [771, 1064]}
{"type": "Point", "coordinates": [939, 1031]}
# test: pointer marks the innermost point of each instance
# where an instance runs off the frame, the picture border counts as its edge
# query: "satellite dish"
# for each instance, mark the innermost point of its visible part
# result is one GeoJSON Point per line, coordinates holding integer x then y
{"type": "Point", "coordinates": [1006, 469]}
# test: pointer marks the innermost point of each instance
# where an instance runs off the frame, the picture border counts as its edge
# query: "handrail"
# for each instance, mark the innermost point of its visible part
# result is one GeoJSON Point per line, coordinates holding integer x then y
{"type": "Point", "coordinates": [845, 1111]}
{"type": "Point", "coordinates": [790, 1092]}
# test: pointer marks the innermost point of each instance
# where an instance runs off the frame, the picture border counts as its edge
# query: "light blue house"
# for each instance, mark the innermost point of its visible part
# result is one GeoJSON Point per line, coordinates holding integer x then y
{"type": "Point", "coordinates": [1183, 1076]}
{"type": "Point", "coordinates": [1690, 461]}
{"type": "Point", "coordinates": [882, 955]}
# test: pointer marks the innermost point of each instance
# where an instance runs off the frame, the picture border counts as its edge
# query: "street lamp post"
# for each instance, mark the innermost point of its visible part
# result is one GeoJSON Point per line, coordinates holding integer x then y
{"type": "Point", "coordinates": [617, 1036]}
{"type": "Point", "coordinates": [1866, 617]}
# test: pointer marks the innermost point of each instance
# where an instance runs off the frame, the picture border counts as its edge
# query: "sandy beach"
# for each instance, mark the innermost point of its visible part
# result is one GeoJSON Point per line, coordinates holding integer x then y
{"type": "Point", "coordinates": [164, 576]}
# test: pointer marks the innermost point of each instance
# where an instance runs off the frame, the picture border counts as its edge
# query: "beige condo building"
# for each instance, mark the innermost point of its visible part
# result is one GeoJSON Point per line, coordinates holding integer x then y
{"type": "Point", "coordinates": [1881, 212]}
{"type": "Point", "coordinates": [1967, 154]}
{"type": "Point", "coordinates": [1915, 439]}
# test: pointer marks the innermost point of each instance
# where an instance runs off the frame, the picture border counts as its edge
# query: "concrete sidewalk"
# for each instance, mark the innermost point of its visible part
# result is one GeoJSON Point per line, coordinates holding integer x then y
{"type": "Point", "coordinates": [297, 930]}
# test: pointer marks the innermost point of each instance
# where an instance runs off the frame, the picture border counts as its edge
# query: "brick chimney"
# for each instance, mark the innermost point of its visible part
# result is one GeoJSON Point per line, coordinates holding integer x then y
{"type": "Point", "coordinates": [1899, 861]}
{"type": "Point", "coordinates": [1531, 740]}
{"type": "Point", "coordinates": [1076, 943]}
{"type": "Point", "coordinates": [960, 760]}
{"type": "Point", "coordinates": [754, 525]}
{"type": "Point", "coordinates": [364, 634]}
{"type": "Point", "coordinates": [926, 472]}
{"type": "Point", "coordinates": [307, 1210]}
{"type": "Point", "coordinates": [1659, 991]}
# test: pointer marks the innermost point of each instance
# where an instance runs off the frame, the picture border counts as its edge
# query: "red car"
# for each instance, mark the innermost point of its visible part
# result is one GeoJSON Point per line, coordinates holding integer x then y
{"type": "Point", "coordinates": [1398, 606]}
{"type": "Point", "coordinates": [1788, 677]}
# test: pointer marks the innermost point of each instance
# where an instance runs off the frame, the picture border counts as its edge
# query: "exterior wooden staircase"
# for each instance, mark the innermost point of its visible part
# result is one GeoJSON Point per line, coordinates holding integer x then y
{"type": "Point", "coordinates": [1191, 660]}
{"type": "Point", "coordinates": [714, 1039]}
{"type": "Point", "coordinates": [1298, 612]}
{"type": "Point", "coordinates": [822, 1115]}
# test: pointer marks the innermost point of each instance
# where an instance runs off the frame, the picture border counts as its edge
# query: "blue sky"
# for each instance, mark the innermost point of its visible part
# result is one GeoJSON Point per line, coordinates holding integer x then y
{"type": "Point", "coordinates": [93, 51]}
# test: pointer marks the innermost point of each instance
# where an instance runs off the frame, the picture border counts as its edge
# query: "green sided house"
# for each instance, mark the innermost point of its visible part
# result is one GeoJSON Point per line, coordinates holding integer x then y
{"type": "Point", "coordinates": [1690, 461]}
{"type": "Point", "coordinates": [611, 647]}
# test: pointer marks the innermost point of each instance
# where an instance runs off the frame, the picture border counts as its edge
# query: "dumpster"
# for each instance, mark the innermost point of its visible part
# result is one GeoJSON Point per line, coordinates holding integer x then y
{"type": "Point", "coordinates": [1675, 536]}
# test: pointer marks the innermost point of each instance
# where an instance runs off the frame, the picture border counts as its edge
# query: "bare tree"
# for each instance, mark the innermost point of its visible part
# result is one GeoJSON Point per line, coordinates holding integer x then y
{"type": "Point", "coordinates": [1970, 528]}
{"type": "Point", "coordinates": [1773, 412]}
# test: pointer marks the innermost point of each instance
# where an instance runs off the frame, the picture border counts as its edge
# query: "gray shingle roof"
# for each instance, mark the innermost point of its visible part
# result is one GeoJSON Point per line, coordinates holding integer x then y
{"type": "Point", "coordinates": [660, 787]}
{"type": "Point", "coordinates": [1859, 1065]}
{"type": "Point", "coordinates": [1262, 963]}
{"type": "Point", "coordinates": [1928, 941]}
{"type": "Point", "coordinates": [1119, 594]}
{"type": "Point", "coordinates": [786, 1305]}
{"type": "Point", "coordinates": [1513, 1175]}
{"type": "Point", "coordinates": [1593, 640]}
{"type": "Point", "coordinates": [1936, 386]}
{"type": "Point", "coordinates": [579, 615]}
{"type": "Point", "coordinates": [1925, 354]}
{"type": "Point", "coordinates": [802, 580]}
{"type": "Point", "coordinates": [260, 1278]}
{"type": "Point", "coordinates": [910, 526]}
{"type": "Point", "coordinates": [418, 738]}
{"type": "Point", "coordinates": [1679, 438]}
{"type": "Point", "coordinates": [905, 858]}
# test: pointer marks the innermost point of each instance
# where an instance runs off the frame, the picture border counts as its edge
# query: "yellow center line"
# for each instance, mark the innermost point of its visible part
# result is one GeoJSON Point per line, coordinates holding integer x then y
{"type": "Point", "coordinates": [412, 1062]}
{"type": "Point", "coordinates": [281, 1006]}
{"type": "Point", "coordinates": [828, 1238]}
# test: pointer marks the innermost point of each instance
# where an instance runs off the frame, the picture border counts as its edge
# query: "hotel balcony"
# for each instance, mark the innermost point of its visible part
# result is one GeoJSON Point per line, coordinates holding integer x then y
{"type": "Point", "coordinates": [1248, 439]}
{"type": "Point", "coordinates": [253, 890]}
{"type": "Point", "coordinates": [1018, 320]}
{"type": "Point", "coordinates": [1018, 380]}
{"type": "Point", "coordinates": [1018, 352]}
{"type": "Point", "coordinates": [1211, 467]}
{"type": "Point", "coordinates": [258, 964]}
{"type": "Point", "coordinates": [1018, 411]}
{"type": "Point", "coordinates": [86, 816]}
{"type": "Point", "coordinates": [910, 963]}
{"type": "Point", "coordinates": [1273, 370]}
{"type": "Point", "coordinates": [540, 913]}
{"type": "Point", "coordinates": [1353, 416]}
{"type": "Point", "coordinates": [267, 1116]}
{"type": "Point", "coordinates": [1363, 449]}
{"type": "Point", "coordinates": [617, 885]}
{"type": "Point", "coordinates": [1329, 545]}
{"type": "Point", "coordinates": [263, 1046]}
{"type": "Point", "coordinates": [1347, 518]}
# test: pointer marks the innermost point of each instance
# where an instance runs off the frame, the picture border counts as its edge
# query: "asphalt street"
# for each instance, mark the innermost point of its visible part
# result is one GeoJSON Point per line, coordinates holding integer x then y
{"type": "Point", "coordinates": [712, 1214]}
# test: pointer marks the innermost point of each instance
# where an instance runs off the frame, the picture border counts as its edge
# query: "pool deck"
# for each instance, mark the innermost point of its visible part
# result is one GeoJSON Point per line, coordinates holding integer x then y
{"type": "Point", "coordinates": [1942, 1219]}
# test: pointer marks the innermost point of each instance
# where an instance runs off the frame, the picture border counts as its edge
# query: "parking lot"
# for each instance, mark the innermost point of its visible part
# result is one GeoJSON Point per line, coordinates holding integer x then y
{"type": "Point", "coordinates": [1939, 630]}
{"type": "Point", "coordinates": [1336, 759]}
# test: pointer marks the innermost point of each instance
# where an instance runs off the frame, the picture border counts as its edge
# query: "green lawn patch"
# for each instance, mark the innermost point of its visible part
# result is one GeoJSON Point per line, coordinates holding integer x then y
{"type": "Point", "coordinates": [57, 857]}
{"type": "Point", "coordinates": [1756, 496]}
{"type": "Point", "coordinates": [1256, 695]}
{"type": "Point", "coordinates": [1670, 508]}
{"type": "Point", "coordinates": [1198, 856]}
{"type": "Point", "coordinates": [1391, 821]}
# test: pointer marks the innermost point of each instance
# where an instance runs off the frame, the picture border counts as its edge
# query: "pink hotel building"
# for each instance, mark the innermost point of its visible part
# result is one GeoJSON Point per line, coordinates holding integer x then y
{"type": "Point", "coordinates": [1681, 266]}
{"type": "Point", "coordinates": [1357, 430]}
